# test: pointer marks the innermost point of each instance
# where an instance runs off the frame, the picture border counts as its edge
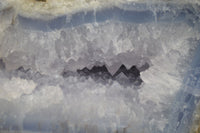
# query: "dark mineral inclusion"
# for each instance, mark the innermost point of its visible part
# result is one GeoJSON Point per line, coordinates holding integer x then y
{"type": "Point", "coordinates": [101, 73]}
{"type": "Point", "coordinates": [41, 0]}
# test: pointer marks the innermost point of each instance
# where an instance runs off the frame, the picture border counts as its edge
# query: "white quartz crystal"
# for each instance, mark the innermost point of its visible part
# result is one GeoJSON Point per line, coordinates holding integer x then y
{"type": "Point", "coordinates": [37, 94]}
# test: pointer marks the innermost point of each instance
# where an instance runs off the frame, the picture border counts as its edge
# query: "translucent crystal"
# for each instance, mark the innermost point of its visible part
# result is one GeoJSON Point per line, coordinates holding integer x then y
{"type": "Point", "coordinates": [46, 82]}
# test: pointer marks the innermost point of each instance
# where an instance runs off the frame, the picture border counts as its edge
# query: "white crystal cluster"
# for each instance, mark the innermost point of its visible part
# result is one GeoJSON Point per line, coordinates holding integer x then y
{"type": "Point", "coordinates": [41, 96]}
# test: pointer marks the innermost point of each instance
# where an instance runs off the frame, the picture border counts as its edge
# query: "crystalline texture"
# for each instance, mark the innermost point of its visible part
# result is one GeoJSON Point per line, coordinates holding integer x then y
{"type": "Point", "coordinates": [41, 92]}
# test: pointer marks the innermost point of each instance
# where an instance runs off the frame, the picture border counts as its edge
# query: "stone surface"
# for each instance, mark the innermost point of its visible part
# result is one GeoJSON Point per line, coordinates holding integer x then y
{"type": "Point", "coordinates": [38, 91]}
